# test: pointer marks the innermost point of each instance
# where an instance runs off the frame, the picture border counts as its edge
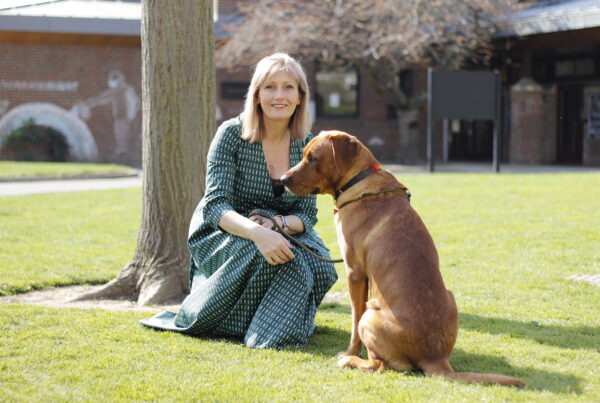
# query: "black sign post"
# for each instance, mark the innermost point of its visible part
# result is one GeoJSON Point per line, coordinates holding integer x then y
{"type": "Point", "coordinates": [463, 95]}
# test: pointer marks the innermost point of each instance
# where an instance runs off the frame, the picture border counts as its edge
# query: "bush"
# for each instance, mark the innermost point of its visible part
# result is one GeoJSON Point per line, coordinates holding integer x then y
{"type": "Point", "coordinates": [32, 142]}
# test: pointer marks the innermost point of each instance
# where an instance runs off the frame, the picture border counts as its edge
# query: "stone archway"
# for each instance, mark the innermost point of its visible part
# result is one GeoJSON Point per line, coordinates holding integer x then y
{"type": "Point", "coordinates": [82, 146]}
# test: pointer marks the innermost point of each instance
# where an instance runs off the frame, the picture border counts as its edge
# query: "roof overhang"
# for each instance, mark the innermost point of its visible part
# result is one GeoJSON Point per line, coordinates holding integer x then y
{"type": "Point", "coordinates": [553, 16]}
{"type": "Point", "coordinates": [70, 25]}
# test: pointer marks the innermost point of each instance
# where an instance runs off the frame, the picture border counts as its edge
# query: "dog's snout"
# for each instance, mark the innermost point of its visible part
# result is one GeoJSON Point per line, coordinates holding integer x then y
{"type": "Point", "coordinates": [286, 180]}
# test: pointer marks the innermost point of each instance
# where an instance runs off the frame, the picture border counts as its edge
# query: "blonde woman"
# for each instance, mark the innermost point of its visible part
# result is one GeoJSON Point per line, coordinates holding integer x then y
{"type": "Point", "coordinates": [247, 280]}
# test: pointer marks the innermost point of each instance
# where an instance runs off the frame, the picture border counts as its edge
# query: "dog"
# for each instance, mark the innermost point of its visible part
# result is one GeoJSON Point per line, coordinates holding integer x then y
{"type": "Point", "coordinates": [410, 322]}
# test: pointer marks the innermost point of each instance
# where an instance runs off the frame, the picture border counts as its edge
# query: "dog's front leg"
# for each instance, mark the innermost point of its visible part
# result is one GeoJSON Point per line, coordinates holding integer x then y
{"type": "Point", "coordinates": [358, 288]}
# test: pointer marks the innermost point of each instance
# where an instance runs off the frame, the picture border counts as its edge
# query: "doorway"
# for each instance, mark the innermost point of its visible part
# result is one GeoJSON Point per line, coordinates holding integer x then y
{"type": "Point", "coordinates": [471, 140]}
{"type": "Point", "coordinates": [569, 124]}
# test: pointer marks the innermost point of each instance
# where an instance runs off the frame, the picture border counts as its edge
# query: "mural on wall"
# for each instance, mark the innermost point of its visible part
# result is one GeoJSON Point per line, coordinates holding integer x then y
{"type": "Point", "coordinates": [124, 102]}
{"type": "Point", "coordinates": [82, 146]}
{"type": "Point", "coordinates": [125, 105]}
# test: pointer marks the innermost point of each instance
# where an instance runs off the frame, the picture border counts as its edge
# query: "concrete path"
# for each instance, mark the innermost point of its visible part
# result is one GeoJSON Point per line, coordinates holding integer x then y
{"type": "Point", "coordinates": [67, 185]}
{"type": "Point", "coordinates": [77, 185]}
{"type": "Point", "coordinates": [477, 167]}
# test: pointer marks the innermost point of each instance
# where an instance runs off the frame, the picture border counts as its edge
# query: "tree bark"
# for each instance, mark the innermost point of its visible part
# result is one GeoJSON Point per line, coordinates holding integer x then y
{"type": "Point", "coordinates": [178, 92]}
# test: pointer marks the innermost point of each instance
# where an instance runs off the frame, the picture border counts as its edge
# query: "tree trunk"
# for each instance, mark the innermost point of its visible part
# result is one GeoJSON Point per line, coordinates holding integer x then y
{"type": "Point", "coordinates": [178, 76]}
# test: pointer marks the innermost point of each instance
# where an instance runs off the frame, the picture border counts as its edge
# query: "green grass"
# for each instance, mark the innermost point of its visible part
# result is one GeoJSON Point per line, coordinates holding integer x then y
{"type": "Point", "coordinates": [22, 170]}
{"type": "Point", "coordinates": [505, 242]}
{"type": "Point", "coordinates": [66, 238]}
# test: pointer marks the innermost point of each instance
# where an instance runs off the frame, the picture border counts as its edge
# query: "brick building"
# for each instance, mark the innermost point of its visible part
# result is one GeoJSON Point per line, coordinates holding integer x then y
{"type": "Point", "coordinates": [76, 65]}
{"type": "Point", "coordinates": [551, 68]}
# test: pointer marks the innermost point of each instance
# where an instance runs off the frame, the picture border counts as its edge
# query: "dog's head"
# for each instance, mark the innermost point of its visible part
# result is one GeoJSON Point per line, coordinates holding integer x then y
{"type": "Point", "coordinates": [328, 162]}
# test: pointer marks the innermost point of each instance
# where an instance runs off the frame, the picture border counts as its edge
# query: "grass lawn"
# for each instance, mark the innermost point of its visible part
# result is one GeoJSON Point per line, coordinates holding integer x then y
{"type": "Point", "coordinates": [506, 242]}
{"type": "Point", "coordinates": [22, 170]}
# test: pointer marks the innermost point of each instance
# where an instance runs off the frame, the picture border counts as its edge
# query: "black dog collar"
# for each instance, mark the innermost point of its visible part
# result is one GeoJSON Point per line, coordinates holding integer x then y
{"type": "Point", "coordinates": [360, 176]}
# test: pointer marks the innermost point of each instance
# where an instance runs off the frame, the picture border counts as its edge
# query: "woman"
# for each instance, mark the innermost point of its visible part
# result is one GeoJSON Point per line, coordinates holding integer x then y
{"type": "Point", "coordinates": [247, 280]}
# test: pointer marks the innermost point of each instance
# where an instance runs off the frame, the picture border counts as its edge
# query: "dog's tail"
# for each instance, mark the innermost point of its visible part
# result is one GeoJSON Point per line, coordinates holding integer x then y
{"type": "Point", "coordinates": [443, 368]}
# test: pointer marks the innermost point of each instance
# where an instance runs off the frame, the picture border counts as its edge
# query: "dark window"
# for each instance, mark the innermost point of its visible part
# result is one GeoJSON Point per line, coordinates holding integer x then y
{"type": "Point", "coordinates": [407, 85]}
{"type": "Point", "coordinates": [337, 94]}
{"type": "Point", "coordinates": [564, 64]}
{"type": "Point", "coordinates": [584, 67]}
{"type": "Point", "coordinates": [234, 90]}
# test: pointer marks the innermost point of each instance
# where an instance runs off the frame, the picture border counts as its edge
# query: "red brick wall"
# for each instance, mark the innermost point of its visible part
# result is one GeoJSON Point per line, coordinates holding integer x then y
{"type": "Point", "coordinates": [230, 6]}
{"type": "Point", "coordinates": [26, 64]}
{"type": "Point", "coordinates": [527, 123]}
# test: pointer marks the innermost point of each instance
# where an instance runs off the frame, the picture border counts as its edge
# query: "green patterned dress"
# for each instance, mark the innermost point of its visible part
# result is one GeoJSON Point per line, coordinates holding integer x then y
{"type": "Point", "coordinates": [234, 291]}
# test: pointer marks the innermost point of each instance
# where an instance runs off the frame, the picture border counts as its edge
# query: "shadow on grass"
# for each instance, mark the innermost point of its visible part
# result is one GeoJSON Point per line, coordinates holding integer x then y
{"type": "Point", "coordinates": [535, 379]}
{"type": "Point", "coordinates": [328, 341]}
{"type": "Point", "coordinates": [580, 337]}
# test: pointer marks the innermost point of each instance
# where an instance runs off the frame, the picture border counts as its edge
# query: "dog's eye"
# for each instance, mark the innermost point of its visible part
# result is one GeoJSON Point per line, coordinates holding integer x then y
{"type": "Point", "coordinates": [311, 159]}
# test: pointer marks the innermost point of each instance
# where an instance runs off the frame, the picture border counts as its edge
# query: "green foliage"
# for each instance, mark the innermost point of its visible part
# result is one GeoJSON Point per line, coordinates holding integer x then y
{"type": "Point", "coordinates": [506, 244]}
{"type": "Point", "coordinates": [23, 142]}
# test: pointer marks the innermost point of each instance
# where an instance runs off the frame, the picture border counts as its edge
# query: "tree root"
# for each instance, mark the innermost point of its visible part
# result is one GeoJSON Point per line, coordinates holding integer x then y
{"type": "Point", "coordinates": [155, 286]}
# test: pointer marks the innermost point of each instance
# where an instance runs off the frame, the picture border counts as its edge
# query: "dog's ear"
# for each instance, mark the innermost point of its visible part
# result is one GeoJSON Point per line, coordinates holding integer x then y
{"type": "Point", "coordinates": [345, 151]}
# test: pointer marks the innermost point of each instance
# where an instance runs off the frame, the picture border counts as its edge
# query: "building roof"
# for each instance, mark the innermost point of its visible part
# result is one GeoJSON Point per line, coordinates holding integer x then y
{"type": "Point", "coordinates": [109, 17]}
{"type": "Point", "coordinates": [555, 15]}
{"type": "Point", "coordinates": [71, 16]}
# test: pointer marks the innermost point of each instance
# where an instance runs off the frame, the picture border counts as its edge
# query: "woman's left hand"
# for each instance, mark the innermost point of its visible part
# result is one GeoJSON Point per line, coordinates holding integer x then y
{"type": "Point", "coordinates": [263, 222]}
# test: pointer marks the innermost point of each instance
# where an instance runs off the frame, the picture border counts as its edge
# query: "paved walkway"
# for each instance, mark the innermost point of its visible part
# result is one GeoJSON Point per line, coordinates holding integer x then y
{"type": "Point", "coordinates": [77, 185]}
{"type": "Point", "coordinates": [488, 168]}
{"type": "Point", "coordinates": [67, 185]}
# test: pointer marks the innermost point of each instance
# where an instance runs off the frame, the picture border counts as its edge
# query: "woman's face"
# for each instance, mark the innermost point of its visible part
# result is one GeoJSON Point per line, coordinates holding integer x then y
{"type": "Point", "coordinates": [279, 96]}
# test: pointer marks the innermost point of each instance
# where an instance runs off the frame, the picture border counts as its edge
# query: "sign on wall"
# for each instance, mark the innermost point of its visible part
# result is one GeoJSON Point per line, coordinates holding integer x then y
{"type": "Point", "coordinates": [593, 118]}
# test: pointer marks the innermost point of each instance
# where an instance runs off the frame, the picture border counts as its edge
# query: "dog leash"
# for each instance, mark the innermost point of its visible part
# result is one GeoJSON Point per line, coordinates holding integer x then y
{"type": "Point", "coordinates": [263, 214]}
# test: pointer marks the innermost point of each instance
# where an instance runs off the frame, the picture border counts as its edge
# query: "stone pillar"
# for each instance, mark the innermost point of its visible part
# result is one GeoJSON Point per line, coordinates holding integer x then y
{"type": "Point", "coordinates": [408, 150]}
{"type": "Point", "coordinates": [527, 123]}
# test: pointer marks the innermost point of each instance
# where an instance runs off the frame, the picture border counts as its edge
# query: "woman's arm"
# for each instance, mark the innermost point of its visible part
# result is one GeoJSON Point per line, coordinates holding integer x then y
{"type": "Point", "coordinates": [271, 244]}
{"type": "Point", "coordinates": [291, 224]}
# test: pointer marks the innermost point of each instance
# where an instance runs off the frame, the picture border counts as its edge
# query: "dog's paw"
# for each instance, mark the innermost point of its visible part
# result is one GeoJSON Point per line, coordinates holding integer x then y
{"type": "Point", "coordinates": [341, 355]}
{"type": "Point", "coordinates": [344, 360]}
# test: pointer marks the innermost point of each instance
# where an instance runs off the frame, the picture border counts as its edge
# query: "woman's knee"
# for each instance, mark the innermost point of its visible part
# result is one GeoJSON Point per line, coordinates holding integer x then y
{"type": "Point", "coordinates": [325, 274]}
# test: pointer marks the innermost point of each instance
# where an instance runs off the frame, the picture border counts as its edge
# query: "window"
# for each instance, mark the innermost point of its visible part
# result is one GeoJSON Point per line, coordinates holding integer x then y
{"type": "Point", "coordinates": [234, 90]}
{"type": "Point", "coordinates": [337, 94]}
{"type": "Point", "coordinates": [581, 67]}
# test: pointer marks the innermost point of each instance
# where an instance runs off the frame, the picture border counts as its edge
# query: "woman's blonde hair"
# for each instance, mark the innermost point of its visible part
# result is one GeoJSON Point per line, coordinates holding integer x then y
{"type": "Point", "coordinates": [253, 128]}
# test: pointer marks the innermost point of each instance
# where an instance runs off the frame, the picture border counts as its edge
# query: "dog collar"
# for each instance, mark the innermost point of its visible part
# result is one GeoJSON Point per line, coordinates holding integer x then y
{"type": "Point", "coordinates": [368, 195]}
{"type": "Point", "coordinates": [360, 176]}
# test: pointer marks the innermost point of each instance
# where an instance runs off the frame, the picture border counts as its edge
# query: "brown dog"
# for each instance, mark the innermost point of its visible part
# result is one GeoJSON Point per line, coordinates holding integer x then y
{"type": "Point", "coordinates": [410, 322]}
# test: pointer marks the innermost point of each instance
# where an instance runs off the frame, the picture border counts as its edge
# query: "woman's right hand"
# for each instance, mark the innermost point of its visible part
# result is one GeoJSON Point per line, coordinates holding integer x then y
{"type": "Point", "coordinates": [272, 245]}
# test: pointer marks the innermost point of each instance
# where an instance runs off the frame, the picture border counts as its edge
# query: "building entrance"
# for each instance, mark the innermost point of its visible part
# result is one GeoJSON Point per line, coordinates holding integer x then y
{"type": "Point", "coordinates": [569, 124]}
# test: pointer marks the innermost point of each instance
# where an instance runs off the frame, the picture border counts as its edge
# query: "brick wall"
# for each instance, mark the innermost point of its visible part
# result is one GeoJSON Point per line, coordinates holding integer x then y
{"type": "Point", "coordinates": [527, 123]}
{"type": "Point", "coordinates": [65, 75]}
{"type": "Point", "coordinates": [229, 6]}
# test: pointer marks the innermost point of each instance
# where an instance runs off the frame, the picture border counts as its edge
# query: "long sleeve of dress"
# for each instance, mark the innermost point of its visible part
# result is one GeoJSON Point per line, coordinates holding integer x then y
{"type": "Point", "coordinates": [305, 208]}
{"type": "Point", "coordinates": [220, 176]}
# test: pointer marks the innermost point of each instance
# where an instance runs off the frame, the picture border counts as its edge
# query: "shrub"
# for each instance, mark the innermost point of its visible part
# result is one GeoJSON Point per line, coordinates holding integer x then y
{"type": "Point", "coordinates": [32, 142]}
